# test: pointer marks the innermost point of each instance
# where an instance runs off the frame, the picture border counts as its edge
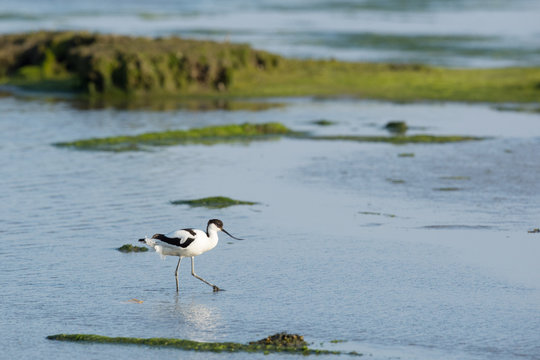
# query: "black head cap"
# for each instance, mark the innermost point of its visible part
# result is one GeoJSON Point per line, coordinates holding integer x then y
{"type": "Point", "coordinates": [216, 222]}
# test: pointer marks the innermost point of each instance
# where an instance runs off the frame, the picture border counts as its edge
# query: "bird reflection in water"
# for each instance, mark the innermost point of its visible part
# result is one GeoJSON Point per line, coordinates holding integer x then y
{"type": "Point", "coordinates": [190, 318]}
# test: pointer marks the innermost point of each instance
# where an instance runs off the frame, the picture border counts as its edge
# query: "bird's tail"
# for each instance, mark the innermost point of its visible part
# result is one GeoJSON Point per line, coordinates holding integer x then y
{"type": "Point", "coordinates": [152, 243]}
{"type": "Point", "coordinates": [148, 241]}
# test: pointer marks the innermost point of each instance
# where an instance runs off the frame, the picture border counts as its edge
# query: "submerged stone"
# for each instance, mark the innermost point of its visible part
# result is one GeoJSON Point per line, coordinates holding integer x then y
{"type": "Point", "coordinates": [214, 202]}
{"type": "Point", "coordinates": [396, 127]}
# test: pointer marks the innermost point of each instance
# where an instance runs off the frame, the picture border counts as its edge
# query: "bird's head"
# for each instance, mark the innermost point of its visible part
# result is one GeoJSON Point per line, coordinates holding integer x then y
{"type": "Point", "coordinates": [217, 225]}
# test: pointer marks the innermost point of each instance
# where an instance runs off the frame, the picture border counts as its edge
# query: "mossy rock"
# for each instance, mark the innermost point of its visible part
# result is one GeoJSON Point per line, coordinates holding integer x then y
{"type": "Point", "coordinates": [199, 346]}
{"type": "Point", "coordinates": [396, 127]}
{"type": "Point", "coordinates": [101, 65]}
{"type": "Point", "coordinates": [112, 64]}
{"type": "Point", "coordinates": [128, 248]}
{"type": "Point", "coordinates": [283, 339]}
{"type": "Point", "coordinates": [214, 202]}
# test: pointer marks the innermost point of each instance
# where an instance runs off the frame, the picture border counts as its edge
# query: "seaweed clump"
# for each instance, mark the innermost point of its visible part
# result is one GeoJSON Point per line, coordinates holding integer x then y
{"type": "Point", "coordinates": [397, 127]}
{"type": "Point", "coordinates": [399, 140]}
{"type": "Point", "coordinates": [213, 202]}
{"type": "Point", "coordinates": [246, 132]}
{"type": "Point", "coordinates": [128, 248]}
{"type": "Point", "coordinates": [207, 135]}
{"type": "Point", "coordinates": [282, 339]}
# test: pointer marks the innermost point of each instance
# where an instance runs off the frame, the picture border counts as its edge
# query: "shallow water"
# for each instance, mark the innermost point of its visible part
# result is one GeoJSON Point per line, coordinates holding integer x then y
{"type": "Point", "coordinates": [437, 275]}
{"type": "Point", "coordinates": [480, 33]}
{"type": "Point", "coordinates": [422, 256]}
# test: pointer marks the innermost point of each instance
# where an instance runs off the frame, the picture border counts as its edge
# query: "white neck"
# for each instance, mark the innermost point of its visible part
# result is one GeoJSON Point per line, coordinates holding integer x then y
{"type": "Point", "coordinates": [212, 232]}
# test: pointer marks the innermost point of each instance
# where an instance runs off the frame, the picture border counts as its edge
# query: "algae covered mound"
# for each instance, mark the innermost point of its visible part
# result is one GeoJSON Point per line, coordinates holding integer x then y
{"type": "Point", "coordinates": [277, 345]}
{"type": "Point", "coordinates": [113, 63]}
{"type": "Point", "coordinates": [283, 339]}
{"type": "Point", "coordinates": [207, 135]}
{"type": "Point", "coordinates": [239, 133]}
{"type": "Point", "coordinates": [100, 64]}
{"type": "Point", "coordinates": [213, 202]}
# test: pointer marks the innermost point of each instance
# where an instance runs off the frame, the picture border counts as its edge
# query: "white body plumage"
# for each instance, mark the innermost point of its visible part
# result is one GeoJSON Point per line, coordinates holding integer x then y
{"type": "Point", "coordinates": [202, 242]}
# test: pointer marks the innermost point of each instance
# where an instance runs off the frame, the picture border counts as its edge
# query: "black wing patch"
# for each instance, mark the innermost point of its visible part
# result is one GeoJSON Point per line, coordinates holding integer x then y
{"type": "Point", "coordinates": [173, 241]}
{"type": "Point", "coordinates": [191, 231]}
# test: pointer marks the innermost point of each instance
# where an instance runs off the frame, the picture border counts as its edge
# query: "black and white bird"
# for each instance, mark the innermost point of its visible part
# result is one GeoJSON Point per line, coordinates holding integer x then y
{"type": "Point", "coordinates": [188, 243]}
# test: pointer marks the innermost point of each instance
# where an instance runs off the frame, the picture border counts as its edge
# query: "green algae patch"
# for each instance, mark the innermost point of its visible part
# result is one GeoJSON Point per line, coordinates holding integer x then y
{"type": "Point", "coordinates": [128, 248]}
{"type": "Point", "coordinates": [406, 155]}
{"type": "Point", "coordinates": [393, 82]}
{"type": "Point", "coordinates": [101, 65]}
{"type": "Point", "coordinates": [191, 345]}
{"type": "Point", "coordinates": [208, 136]}
{"type": "Point", "coordinates": [400, 140]}
{"type": "Point", "coordinates": [214, 202]}
{"type": "Point", "coordinates": [235, 133]}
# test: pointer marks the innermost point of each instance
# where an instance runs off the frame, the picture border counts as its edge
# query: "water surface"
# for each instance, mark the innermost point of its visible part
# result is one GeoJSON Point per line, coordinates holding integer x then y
{"type": "Point", "coordinates": [423, 256]}
{"type": "Point", "coordinates": [449, 275]}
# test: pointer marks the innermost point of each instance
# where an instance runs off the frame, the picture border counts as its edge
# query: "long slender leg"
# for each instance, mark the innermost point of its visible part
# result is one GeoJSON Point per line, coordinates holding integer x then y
{"type": "Point", "coordinates": [200, 278]}
{"type": "Point", "coordinates": [176, 272]}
